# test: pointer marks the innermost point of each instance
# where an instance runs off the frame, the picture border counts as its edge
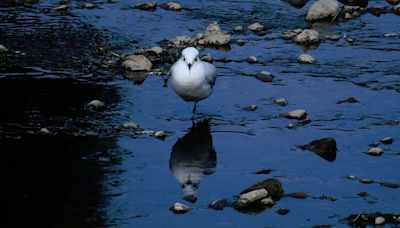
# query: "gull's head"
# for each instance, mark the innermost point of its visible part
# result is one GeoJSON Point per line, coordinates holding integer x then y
{"type": "Point", "coordinates": [190, 55]}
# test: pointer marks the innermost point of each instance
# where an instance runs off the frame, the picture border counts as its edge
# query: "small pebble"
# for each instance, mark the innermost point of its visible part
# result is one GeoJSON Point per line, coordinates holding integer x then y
{"type": "Point", "coordinates": [348, 16]}
{"type": "Point", "coordinates": [171, 6]}
{"type": "Point", "coordinates": [238, 28]}
{"type": "Point", "coordinates": [149, 6]}
{"type": "Point", "coordinates": [362, 194]}
{"type": "Point", "coordinates": [241, 42]}
{"type": "Point", "coordinates": [387, 140]}
{"type": "Point", "coordinates": [350, 40]}
{"type": "Point", "coordinates": [375, 151]}
{"type": "Point", "coordinates": [282, 211]}
{"type": "Point", "coordinates": [179, 208]}
{"type": "Point", "coordinates": [281, 102]}
{"type": "Point", "coordinates": [352, 177]}
{"type": "Point", "coordinates": [379, 220]}
{"type": "Point", "coordinates": [160, 134]}
{"type": "Point", "coordinates": [97, 104]}
{"type": "Point", "coordinates": [44, 131]}
{"type": "Point", "coordinates": [265, 76]}
{"type": "Point", "coordinates": [250, 108]}
{"type": "Point", "coordinates": [390, 35]}
{"type": "Point", "coordinates": [295, 114]}
{"type": "Point", "coordinates": [306, 59]}
{"type": "Point", "coordinates": [218, 204]}
{"type": "Point", "coordinates": [252, 59]}
{"type": "Point", "coordinates": [3, 48]}
{"type": "Point", "coordinates": [255, 195]}
{"type": "Point", "coordinates": [61, 7]}
{"type": "Point", "coordinates": [256, 27]}
{"type": "Point", "coordinates": [366, 181]}
{"type": "Point", "coordinates": [207, 58]}
{"type": "Point", "coordinates": [89, 5]}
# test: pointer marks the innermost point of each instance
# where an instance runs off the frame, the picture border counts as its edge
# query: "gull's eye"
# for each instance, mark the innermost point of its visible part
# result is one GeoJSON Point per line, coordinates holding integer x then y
{"type": "Point", "coordinates": [183, 58]}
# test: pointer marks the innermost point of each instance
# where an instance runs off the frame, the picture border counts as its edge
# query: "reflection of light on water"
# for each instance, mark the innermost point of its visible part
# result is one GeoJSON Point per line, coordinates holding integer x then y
{"type": "Point", "coordinates": [193, 156]}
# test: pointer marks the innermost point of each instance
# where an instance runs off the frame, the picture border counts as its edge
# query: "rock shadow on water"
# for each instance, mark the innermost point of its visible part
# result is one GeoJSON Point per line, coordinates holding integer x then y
{"type": "Point", "coordinates": [136, 77]}
{"type": "Point", "coordinates": [193, 156]}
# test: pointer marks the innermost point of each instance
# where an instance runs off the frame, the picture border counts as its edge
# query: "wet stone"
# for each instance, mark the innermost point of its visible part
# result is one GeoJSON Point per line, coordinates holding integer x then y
{"type": "Point", "coordinates": [366, 181]}
{"type": "Point", "coordinates": [375, 151]}
{"type": "Point", "coordinates": [147, 6]}
{"type": "Point", "coordinates": [272, 185]}
{"type": "Point", "coordinates": [44, 131]}
{"type": "Point", "coordinates": [282, 211]}
{"type": "Point", "coordinates": [350, 39]}
{"type": "Point", "coordinates": [391, 34]}
{"type": "Point", "coordinates": [250, 108]}
{"type": "Point", "coordinates": [306, 59]}
{"type": "Point", "coordinates": [350, 100]}
{"type": "Point", "coordinates": [190, 198]}
{"type": "Point", "coordinates": [348, 16]}
{"type": "Point", "coordinates": [267, 202]}
{"type": "Point", "coordinates": [218, 204]}
{"type": "Point", "coordinates": [171, 6]}
{"type": "Point", "coordinates": [89, 5]}
{"type": "Point", "coordinates": [239, 28]}
{"type": "Point", "coordinates": [389, 185]}
{"type": "Point", "coordinates": [241, 42]}
{"type": "Point", "coordinates": [298, 123]}
{"type": "Point", "coordinates": [325, 148]}
{"type": "Point", "coordinates": [351, 177]}
{"type": "Point", "coordinates": [322, 10]}
{"type": "Point", "coordinates": [362, 194]}
{"type": "Point", "coordinates": [255, 195]}
{"type": "Point", "coordinates": [265, 76]}
{"type": "Point", "coordinates": [379, 220]}
{"type": "Point", "coordinates": [298, 195]}
{"type": "Point", "coordinates": [296, 114]}
{"type": "Point", "coordinates": [252, 60]}
{"type": "Point", "coordinates": [179, 208]}
{"type": "Point", "coordinates": [256, 27]}
{"type": "Point", "coordinates": [281, 102]}
{"type": "Point", "coordinates": [96, 104]}
{"type": "Point", "coordinates": [263, 171]}
{"type": "Point", "coordinates": [207, 58]}
{"type": "Point", "coordinates": [215, 37]}
{"type": "Point", "coordinates": [3, 48]}
{"type": "Point", "coordinates": [136, 63]}
{"type": "Point", "coordinates": [387, 140]}
{"type": "Point", "coordinates": [160, 134]}
{"type": "Point", "coordinates": [307, 37]}
{"type": "Point", "coordinates": [332, 37]}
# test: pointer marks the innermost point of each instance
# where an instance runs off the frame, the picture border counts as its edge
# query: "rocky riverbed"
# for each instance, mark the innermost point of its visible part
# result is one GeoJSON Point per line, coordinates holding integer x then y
{"type": "Point", "coordinates": [301, 129]}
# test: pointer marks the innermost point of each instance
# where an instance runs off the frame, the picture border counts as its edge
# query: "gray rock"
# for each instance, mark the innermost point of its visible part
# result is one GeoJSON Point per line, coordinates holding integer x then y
{"type": "Point", "coordinates": [89, 5]}
{"type": "Point", "coordinates": [348, 16]}
{"type": "Point", "coordinates": [3, 48]}
{"type": "Point", "coordinates": [332, 37]}
{"type": "Point", "coordinates": [157, 50]}
{"type": "Point", "coordinates": [307, 37]}
{"type": "Point", "coordinates": [252, 59]}
{"type": "Point", "coordinates": [96, 104]}
{"type": "Point", "coordinates": [171, 6]}
{"type": "Point", "coordinates": [160, 134]}
{"type": "Point", "coordinates": [375, 151]}
{"type": "Point", "coordinates": [179, 208]}
{"type": "Point", "coordinates": [282, 211]}
{"type": "Point", "coordinates": [215, 37]}
{"type": "Point", "coordinates": [207, 58]}
{"type": "Point", "coordinates": [366, 181]}
{"type": "Point", "coordinates": [288, 35]}
{"type": "Point", "coordinates": [296, 114]}
{"type": "Point", "coordinates": [379, 220]}
{"type": "Point", "coordinates": [218, 204]}
{"type": "Point", "coordinates": [322, 10]}
{"type": "Point", "coordinates": [281, 101]}
{"type": "Point", "coordinates": [136, 63]}
{"type": "Point", "coordinates": [254, 196]}
{"type": "Point", "coordinates": [298, 195]}
{"type": "Point", "coordinates": [325, 148]}
{"type": "Point", "coordinates": [256, 27]}
{"type": "Point", "coordinates": [238, 28]}
{"type": "Point", "coordinates": [147, 6]}
{"type": "Point", "coordinates": [387, 140]}
{"type": "Point", "coordinates": [265, 76]}
{"type": "Point", "coordinates": [306, 59]}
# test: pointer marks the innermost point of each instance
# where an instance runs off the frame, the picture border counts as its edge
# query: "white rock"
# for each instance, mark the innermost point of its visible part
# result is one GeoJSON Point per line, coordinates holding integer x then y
{"type": "Point", "coordinates": [306, 58]}
{"type": "Point", "coordinates": [160, 134]}
{"type": "Point", "coordinates": [296, 114]}
{"type": "Point", "coordinates": [391, 34]}
{"type": "Point", "coordinates": [97, 104]}
{"type": "Point", "coordinates": [131, 125]}
{"type": "Point", "coordinates": [387, 140]}
{"type": "Point", "coordinates": [379, 220]}
{"type": "Point", "coordinates": [308, 36]}
{"type": "Point", "coordinates": [61, 7]}
{"type": "Point", "coordinates": [348, 16]}
{"type": "Point", "coordinates": [267, 201]}
{"type": "Point", "coordinates": [255, 195]}
{"type": "Point", "coordinates": [252, 59]}
{"type": "Point", "coordinates": [3, 48]}
{"type": "Point", "coordinates": [323, 9]}
{"type": "Point", "coordinates": [281, 101]}
{"type": "Point", "coordinates": [136, 63]}
{"type": "Point", "coordinates": [375, 151]}
{"type": "Point", "coordinates": [44, 131]}
{"type": "Point", "coordinates": [179, 208]}
{"type": "Point", "coordinates": [256, 27]}
{"type": "Point", "coordinates": [171, 6]}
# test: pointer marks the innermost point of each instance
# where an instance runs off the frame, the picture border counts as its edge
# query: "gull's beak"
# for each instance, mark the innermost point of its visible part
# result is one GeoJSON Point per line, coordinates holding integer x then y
{"type": "Point", "coordinates": [189, 65]}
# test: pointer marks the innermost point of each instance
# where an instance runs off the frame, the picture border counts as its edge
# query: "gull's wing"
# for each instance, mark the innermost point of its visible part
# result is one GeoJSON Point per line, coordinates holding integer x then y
{"type": "Point", "coordinates": [211, 72]}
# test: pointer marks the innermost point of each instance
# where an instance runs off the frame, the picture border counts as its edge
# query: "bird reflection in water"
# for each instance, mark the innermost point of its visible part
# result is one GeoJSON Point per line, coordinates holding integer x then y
{"type": "Point", "coordinates": [193, 156]}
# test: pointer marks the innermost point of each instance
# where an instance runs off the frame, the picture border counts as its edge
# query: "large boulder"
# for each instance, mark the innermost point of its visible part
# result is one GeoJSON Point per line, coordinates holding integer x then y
{"type": "Point", "coordinates": [323, 10]}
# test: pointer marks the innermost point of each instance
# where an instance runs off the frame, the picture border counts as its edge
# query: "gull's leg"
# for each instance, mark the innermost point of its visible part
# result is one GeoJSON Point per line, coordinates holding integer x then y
{"type": "Point", "coordinates": [194, 108]}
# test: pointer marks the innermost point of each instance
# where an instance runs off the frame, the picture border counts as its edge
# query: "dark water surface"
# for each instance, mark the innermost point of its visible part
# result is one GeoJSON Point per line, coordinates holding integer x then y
{"type": "Point", "coordinates": [89, 172]}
